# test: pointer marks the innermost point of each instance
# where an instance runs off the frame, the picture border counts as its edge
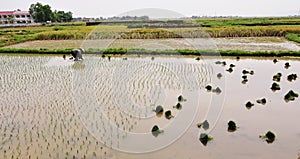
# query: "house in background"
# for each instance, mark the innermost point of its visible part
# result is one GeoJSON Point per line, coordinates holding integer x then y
{"type": "Point", "coordinates": [15, 17]}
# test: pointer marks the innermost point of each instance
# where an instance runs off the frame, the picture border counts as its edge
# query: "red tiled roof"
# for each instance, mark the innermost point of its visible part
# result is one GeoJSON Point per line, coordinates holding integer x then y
{"type": "Point", "coordinates": [6, 12]}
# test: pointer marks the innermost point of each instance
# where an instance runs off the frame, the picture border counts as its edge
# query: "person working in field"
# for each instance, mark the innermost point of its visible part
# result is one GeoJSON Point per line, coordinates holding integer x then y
{"type": "Point", "coordinates": [77, 54]}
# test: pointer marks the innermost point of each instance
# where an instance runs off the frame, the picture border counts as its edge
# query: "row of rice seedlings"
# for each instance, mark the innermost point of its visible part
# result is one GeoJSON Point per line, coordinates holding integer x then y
{"type": "Point", "coordinates": [39, 117]}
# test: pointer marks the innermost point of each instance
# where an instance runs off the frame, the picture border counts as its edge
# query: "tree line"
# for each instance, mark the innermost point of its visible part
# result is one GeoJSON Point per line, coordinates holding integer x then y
{"type": "Point", "coordinates": [43, 13]}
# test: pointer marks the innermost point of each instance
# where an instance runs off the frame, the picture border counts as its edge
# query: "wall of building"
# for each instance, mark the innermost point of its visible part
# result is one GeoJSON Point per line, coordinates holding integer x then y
{"type": "Point", "coordinates": [15, 17]}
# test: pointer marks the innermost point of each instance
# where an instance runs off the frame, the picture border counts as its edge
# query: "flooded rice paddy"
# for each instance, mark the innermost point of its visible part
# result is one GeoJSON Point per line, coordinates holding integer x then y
{"type": "Point", "coordinates": [101, 108]}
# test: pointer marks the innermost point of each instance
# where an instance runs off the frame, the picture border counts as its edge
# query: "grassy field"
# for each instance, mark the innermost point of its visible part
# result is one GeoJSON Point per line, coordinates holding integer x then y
{"type": "Point", "coordinates": [221, 22]}
{"type": "Point", "coordinates": [228, 27]}
{"type": "Point", "coordinates": [293, 37]}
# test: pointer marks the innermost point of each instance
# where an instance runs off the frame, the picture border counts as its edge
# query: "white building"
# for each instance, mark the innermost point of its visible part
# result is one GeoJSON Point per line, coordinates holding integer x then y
{"type": "Point", "coordinates": [15, 17]}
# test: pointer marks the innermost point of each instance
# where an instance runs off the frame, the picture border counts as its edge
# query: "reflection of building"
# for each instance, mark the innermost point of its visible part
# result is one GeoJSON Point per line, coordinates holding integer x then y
{"type": "Point", "coordinates": [9, 17]}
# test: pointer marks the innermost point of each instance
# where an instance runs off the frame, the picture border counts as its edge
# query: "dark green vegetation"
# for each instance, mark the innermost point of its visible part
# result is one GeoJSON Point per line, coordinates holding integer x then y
{"type": "Point", "coordinates": [204, 138]}
{"type": "Point", "coordinates": [178, 106]}
{"type": "Point", "coordinates": [231, 126]}
{"type": "Point", "coordinates": [290, 96]}
{"type": "Point", "coordinates": [43, 13]}
{"type": "Point", "coordinates": [208, 87]}
{"type": "Point", "coordinates": [293, 37]}
{"type": "Point", "coordinates": [156, 131]}
{"type": "Point", "coordinates": [249, 105]}
{"type": "Point", "coordinates": [277, 77]}
{"type": "Point", "coordinates": [168, 114]}
{"type": "Point", "coordinates": [269, 137]}
{"type": "Point", "coordinates": [292, 77]}
{"type": "Point", "coordinates": [275, 87]}
{"type": "Point", "coordinates": [262, 101]}
{"type": "Point", "coordinates": [180, 98]}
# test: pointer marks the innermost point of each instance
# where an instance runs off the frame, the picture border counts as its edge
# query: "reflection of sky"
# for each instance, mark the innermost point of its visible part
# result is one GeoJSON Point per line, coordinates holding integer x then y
{"type": "Point", "coordinates": [107, 8]}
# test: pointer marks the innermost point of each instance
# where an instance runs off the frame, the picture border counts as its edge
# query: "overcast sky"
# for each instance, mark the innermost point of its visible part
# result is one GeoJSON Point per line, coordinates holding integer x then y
{"type": "Point", "coordinates": [108, 8]}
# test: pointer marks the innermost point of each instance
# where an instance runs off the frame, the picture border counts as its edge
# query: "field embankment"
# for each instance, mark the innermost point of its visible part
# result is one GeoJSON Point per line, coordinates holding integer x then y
{"type": "Point", "coordinates": [226, 33]}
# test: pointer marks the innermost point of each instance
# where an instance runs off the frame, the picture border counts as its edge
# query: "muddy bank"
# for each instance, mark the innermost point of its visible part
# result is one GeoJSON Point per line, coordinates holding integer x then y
{"type": "Point", "coordinates": [240, 43]}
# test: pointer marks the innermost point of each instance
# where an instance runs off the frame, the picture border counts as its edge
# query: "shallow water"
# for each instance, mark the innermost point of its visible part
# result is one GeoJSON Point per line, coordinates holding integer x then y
{"type": "Point", "coordinates": [100, 108]}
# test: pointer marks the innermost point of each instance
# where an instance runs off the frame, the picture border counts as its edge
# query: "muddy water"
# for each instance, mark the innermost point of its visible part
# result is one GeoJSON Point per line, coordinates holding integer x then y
{"type": "Point", "coordinates": [96, 108]}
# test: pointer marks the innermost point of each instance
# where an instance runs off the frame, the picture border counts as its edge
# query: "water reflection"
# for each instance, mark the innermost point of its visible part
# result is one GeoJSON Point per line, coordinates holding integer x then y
{"type": "Point", "coordinates": [38, 116]}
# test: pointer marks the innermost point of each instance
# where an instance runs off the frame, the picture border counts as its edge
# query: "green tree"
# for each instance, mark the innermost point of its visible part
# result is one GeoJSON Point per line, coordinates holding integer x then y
{"type": "Point", "coordinates": [61, 16]}
{"type": "Point", "coordinates": [41, 13]}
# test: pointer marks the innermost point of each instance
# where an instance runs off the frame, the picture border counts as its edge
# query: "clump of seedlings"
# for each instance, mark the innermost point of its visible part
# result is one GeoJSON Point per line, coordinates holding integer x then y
{"type": "Point", "coordinates": [245, 79]}
{"type": "Point", "coordinates": [262, 101]}
{"type": "Point", "coordinates": [217, 90]}
{"type": "Point", "coordinates": [269, 137]}
{"type": "Point", "coordinates": [275, 87]}
{"type": "Point", "coordinates": [290, 96]}
{"type": "Point", "coordinates": [219, 75]}
{"type": "Point", "coordinates": [168, 114]}
{"type": "Point", "coordinates": [221, 62]}
{"type": "Point", "coordinates": [156, 131]}
{"type": "Point", "coordinates": [277, 77]}
{"type": "Point", "coordinates": [292, 77]}
{"type": "Point", "coordinates": [208, 88]}
{"type": "Point", "coordinates": [231, 126]}
{"type": "Point", "coordinates": [198, 58]}
{"type": "Point", "coordinates": [159, 110]}
{"type": "Point", "coordinates": [275, 61]}
{"type": "Point", "coordinates": [249, 105]}
{"type": "Point", "coordinates": [248, 72]}
{"type": "Point", "coordinates": [287, 65]}
{"type": "Point", "coordinates": [204, 138]}
{"type": "Point", "coordinates": [232, 65]}
{"type": "Point", "coordinates": [238, 58]}
{"type": "Point", "coordinates": [204, 125]}
{"type": "Point", "coordinates": [230, 69]}
{"type": "Point", "coordinates": [178, 106]}
{"type": "Point", "coordinates": [181, 99]}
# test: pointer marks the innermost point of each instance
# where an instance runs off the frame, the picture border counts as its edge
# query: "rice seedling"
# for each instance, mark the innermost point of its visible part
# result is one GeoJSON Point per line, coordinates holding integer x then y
{"type": "Point", "coordinates": [290, 96]}
{"type": "Point", "coordinates": [204, 138]}
{"type": "Point", "coordinates": [231, 126]}
{"type": "Point", "coordinates": [204, 125]}
{"type": "Point", "coordinates": [269, 137]}
{"type": "Point", "coordinates": [292, 77]}
{"type": "Point", "coordinates": [249, 105]}
{"type": "Point", "coordinates": [262, 101]}
{"type": "Point", "coordinates": [275, 87]}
